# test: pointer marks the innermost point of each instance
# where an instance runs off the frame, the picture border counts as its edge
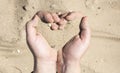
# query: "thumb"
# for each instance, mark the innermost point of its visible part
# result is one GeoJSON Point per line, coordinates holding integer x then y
{"type": "Point", "coordinates": [30, 27]}
{"type": "Point", "coordinates": [84, 29]}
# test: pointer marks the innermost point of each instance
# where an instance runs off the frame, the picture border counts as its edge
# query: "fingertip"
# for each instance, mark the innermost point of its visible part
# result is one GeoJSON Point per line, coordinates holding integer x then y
{"type": "Point", "coordinates": [61, 27]}
{"type": "Point", "coordinates": [40, 14]}
{"type": "Point", "coordinates": [84, 22]}
{"type": "Point", "coordinates": [35, 18]}
{"type": "Point", "coordinates": [68, 16]}
{"type": "Point", "coordinates": [84, 29]}
{"type": "Point", "coordinates": [45, 16]}
{"type": "Point", "coordinates": [73, 15]}
{"type": "Point", "coordinates": [54, 26]}
{"type": "Point", "coordinates": [85, 18]}
{"type": "Point", "coordinates": [64, 15]}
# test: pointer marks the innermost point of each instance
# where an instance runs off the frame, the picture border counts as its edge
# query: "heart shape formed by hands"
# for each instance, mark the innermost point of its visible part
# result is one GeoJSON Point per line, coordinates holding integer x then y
{"type": "Point", "coordinates": [72, 50]}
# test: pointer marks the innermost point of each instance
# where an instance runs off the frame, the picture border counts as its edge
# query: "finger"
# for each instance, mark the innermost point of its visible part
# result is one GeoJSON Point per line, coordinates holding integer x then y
{"type": "Point", "coordinates": [54, 26]}
{"type": "Point", "coordinates": [84, 30]}
{"type": "Point", "coordinates": [55, 17]}
{"type": "Point", "coordinates": [41, 15]}
{"type": "Point", "coordinates": [48, 18]}
{"type": "Point", "coordinates": [61, 27]}
{"type": "Point", "coordinates": [73, 15]}
{"type": "Point", "coordinates": [64, 15]}
{"type": "Point", "coordinates": [45, 16]}
{"type": "Point", "coordinates": [30, 27]}
{"type": "Point", "coordinates": [62, 23]}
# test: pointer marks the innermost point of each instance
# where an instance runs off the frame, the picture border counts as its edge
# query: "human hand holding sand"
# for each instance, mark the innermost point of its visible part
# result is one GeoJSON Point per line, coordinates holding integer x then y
{"type": "Point", "coordinates": [45, 56]}
{"type": "Point", "coordinates": [37, 43]}
{"type": "Point", "coordinates": [75, 48]}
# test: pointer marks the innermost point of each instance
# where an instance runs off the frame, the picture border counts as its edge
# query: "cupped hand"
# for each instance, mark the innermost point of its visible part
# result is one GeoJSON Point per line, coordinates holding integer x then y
{"type": "Point", "coordinates": [37, 43]}
{"type": "Point", "coordinates": [76, 47]}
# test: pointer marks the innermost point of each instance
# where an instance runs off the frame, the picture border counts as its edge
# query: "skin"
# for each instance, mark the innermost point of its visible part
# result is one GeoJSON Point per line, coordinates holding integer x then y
{"type": "Point", "coordinates": [62, 23]}
{"type": "Point", "coordinates": [74, 49]}
{"type": "Point", "coordinates": [69, 56]}
{"type": "Point", "coordinates": [58, 20]}
{"type": "Point", "coordinates": [46, 57]}
{"type": "Point", "coordinates": [45, 16]}
{"type": "Point", "coordinates": [55, 17]}
{"type": "Point", "coordinates": [54, 26]}
{"type": "Point", "coordinates": [72, 15]}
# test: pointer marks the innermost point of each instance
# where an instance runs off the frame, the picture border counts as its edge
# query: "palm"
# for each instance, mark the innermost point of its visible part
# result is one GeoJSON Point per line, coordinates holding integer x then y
{"type": "Point", "coordinates": [40, 46]}
{"type": "Point", "coordinates": [74, 48]}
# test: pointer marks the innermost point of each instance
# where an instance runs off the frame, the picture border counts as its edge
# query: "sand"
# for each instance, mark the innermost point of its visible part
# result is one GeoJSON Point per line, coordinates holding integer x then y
{"type": "Point", "coordinates": [103, 55]}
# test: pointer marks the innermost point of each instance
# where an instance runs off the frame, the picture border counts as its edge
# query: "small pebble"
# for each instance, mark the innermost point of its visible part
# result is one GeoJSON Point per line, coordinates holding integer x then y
{"type": "Point", "coordinates": [54, 26]}
{"type": "Point", "coordinates": [18, 51]}
{"type": "Point", "coordinates": [33, 7]}
{"type": "Point", "coordinates": [99, 7]}
{"type": "Point", "coordinates": [21, 18]}
{"type": "Point", "coordinates": [49, 25]}
{"type": "Point", "coordinates": [24, 8]}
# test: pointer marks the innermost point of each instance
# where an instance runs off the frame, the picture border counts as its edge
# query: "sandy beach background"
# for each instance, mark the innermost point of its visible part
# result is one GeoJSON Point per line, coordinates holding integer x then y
{"type": "Point", "coordinates": [103, 55]}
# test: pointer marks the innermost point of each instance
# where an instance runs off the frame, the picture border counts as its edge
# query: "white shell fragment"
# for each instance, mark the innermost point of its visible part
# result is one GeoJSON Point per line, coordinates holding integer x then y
{"type": "Point", "coordinates": [49, 24]}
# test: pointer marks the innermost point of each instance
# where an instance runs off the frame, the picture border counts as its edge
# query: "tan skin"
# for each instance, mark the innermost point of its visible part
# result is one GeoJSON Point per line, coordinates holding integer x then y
{"type": "Point", "coordinates": [45, 57]}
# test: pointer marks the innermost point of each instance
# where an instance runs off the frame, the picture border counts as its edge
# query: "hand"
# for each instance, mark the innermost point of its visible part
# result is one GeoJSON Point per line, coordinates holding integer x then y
{"type": "Point", "coordinates": [37, 43]}
{"type": "Point", "coordinates": [57, 20]}
{"type": "Point", "coordinates": [76, 47]}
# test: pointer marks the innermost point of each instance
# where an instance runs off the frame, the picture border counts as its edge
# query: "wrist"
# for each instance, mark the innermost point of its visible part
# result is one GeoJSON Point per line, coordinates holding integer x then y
{"type": "Point", "coordinates": [45, 59]}
{"type": "Point", "coordinates": [70, 63]}
{"type": "Point", "coordinates": [44, 66]}
{"type": "Point", "coordinates": [71, 67]}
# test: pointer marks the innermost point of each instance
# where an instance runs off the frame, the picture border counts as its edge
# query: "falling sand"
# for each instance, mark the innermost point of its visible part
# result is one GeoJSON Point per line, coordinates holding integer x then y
{"type": "Point", "coordinates": [103, 55]}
